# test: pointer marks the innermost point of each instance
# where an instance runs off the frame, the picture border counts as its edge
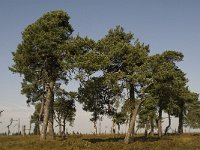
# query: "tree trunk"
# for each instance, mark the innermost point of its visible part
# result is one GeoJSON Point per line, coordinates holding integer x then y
{"type": "Point", "coordinates": [51, 121]}
{"type": "Point", "coordinates": [169, 121]}
{"type": "Point", "coordinates": [42, 108]}
{"type": "Point", "coordinates": [64, 129]}
{"type": "Point", "coordinates": [135, 109]}
{"type": "Point", "coordinates": [95, 127]}
{"type": "Point", "coordinates": [23, 130]}
{"type": "Point", "coordinates": [180, 122]}
{"type": "Point", "coordinates": [47, 110]}
{"type": "Point", "coordinates": [29, 130]}
{"type": "Point", "coordinates": [37, 128]}
{"type": "Point", "coordinates": [113, 126]}
{"type": "Point", "coordinates": [160, 122]}
{"type": "Point", "coordinates": [146, 130]}
{"type": "Point", "coordinates": [132, 121]}
{"type": "Point", "coordinates": [118, 128]}
{"type": "Point", "coordinates": [59, 126]}
{"type": "Point", "coordinates": [132, 100]}
{"type": "Point", "coordinates": [100, 126]}
{"type": "Point", "coordinates": [152, 126]}
{"type": "Point", "coordinates": [132, 117]}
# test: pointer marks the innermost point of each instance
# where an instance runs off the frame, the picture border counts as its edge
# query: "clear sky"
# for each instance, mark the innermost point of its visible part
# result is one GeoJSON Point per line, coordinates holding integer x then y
{"type": "Point", "coordinates": [165, 25]}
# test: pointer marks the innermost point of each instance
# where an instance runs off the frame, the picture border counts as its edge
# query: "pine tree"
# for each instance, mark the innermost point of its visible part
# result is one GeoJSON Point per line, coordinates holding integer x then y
{"type": "Point", "coordinates": [43, 58]}
{"type": "Point", "coordinates": [125, 65]}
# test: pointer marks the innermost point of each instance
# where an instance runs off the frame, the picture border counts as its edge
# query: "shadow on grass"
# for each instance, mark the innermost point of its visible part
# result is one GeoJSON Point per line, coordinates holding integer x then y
{"type": "Point", "coordinates": [96, 140]}
{"type": "Point", "coordinates": [121, 139]}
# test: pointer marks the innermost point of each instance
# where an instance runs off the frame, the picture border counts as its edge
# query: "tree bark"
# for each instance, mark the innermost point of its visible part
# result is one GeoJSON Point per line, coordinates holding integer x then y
{"type": "Point", "coordinates": [50, 126]}
{"type": "Point", "coordinates": [64, 128]}
{"type": "Point", "coordinates": [160, 122]}
{"type": "Point", "coordinates": [169, 121]}
{"type": "Point", "coordinates": [146, 130]}
{"type": "Point", "coordinates": [132, 122]}
{"type": "Point", "coordinates": [95, 127]}
{"type": "Point", "coordinates": [59, 127]}
{"type": "Point", "coordinates": [118, 127]}
{"type": "Point", "coordinates": [135, 109]}
{"type": "Point", "coordinates": [180, 124]}
{"type": "Point", "coordinates": [152, 126]}
{"type": "Point", "coordinates": [47, 111]}
{"type": "Point", "coordinates": [29, 130]}
{"type": "Point", "coordinates": [132, 117]}
{"type": "Point", "coordinates": [37, 128]}
{"type": "Point", "coordinates": [113, 126]}
{"type": "Point", "coordinates": [42, 108]}
{"type": "Point", "coordinates": [51, 119]}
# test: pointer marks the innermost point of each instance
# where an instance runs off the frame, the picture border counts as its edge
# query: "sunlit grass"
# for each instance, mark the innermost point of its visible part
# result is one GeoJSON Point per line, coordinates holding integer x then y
{"type": "Point", "coordinates": [101, 142]}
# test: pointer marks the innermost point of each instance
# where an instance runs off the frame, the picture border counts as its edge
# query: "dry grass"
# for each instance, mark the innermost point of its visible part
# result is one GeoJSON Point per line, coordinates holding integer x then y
{"type": "Point", "coordinates": [101, 142]}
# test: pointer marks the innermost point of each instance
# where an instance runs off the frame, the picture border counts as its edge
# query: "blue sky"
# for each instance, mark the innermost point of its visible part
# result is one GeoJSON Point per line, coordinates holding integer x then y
{"type": "Point", "coordinates": [165, 25]}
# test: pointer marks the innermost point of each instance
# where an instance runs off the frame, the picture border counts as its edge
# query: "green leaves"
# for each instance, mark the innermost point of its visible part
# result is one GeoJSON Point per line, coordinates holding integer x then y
{"type": "Point", "coordinates": [41, 48]}
{"type": "Point", "coordinates": [64, 105]}
{"type": "Point", "coordinates": [46, 52]}
{"type": "Point", "coordinates": [116, 67]}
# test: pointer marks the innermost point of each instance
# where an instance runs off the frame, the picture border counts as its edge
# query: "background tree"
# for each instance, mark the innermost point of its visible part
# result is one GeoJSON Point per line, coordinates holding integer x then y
{"type": "Point", "coordinates": [147, 115]}
{"type": "Point", "coordinates": [120, 118]}
{"type": "Point", "coordinates": [64, 109]}
{"type": "Point", "coordinates": [192, 117]}
{"type": "Point", "coordinates": [36, 119]}
{"type": "Point", "coordinates": [97, 98]}
{"type": "Point", "coordinates": [167, 80]}
{"type": "Point", "coordinates": [186, 103]}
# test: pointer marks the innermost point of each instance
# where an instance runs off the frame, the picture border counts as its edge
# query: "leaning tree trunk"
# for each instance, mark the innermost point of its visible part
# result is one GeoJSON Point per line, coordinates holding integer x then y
{"type": "Point", "coordinates": [129, 122]}
{"type": "Point", "coordinates": [132, 121]}
{"type": "Point", "coordinates": [134, 113]}
{"type": "Point", "coordinates": [169, 121]}
{"type": "Point", "coordinates": [180, 124]}
{"type": "Point", "coordinates": [160, 122]}
{"type": "Point", "coordinates": [47, 110]}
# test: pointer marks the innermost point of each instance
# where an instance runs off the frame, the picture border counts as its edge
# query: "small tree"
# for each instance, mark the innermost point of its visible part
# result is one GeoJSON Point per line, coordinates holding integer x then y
{"type": "Point", "coordinates": [64, 109]}
{"type": "Point", "coordinates": [97, 98]}
{"type": "Point", "coordinates": [120, 118]}
{"type": "Point", "coordinates": [188, 105]}
{"type": "Point", "coordinates": [192, 117]}
{"type": "Point", "coordinates": [147, 115]}
{"type": "Point", "coordinates": [36, 119]}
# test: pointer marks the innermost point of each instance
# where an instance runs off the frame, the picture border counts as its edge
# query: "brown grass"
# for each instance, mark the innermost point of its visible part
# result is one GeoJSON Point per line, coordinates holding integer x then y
{"type": "Point", "coordinates": [101, 142]}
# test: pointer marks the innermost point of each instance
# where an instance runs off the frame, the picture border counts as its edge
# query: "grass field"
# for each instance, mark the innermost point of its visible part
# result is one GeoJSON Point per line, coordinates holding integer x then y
{"type": "Point", "coordinates": [101, 142]}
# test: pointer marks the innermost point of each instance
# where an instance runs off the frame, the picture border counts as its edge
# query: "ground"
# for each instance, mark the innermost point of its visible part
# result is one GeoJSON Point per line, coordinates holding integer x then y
{"type": "Point", "coordinates": [101, 142]}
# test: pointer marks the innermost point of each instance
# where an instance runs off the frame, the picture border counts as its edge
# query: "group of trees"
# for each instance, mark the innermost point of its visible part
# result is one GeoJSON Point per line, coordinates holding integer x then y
{"type": "Point", "coordinates": [118, 78]}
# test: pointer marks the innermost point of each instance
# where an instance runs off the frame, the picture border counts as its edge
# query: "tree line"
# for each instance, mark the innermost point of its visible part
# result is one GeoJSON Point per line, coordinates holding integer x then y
{"type": "Point", "coordinates": [118, 78]}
